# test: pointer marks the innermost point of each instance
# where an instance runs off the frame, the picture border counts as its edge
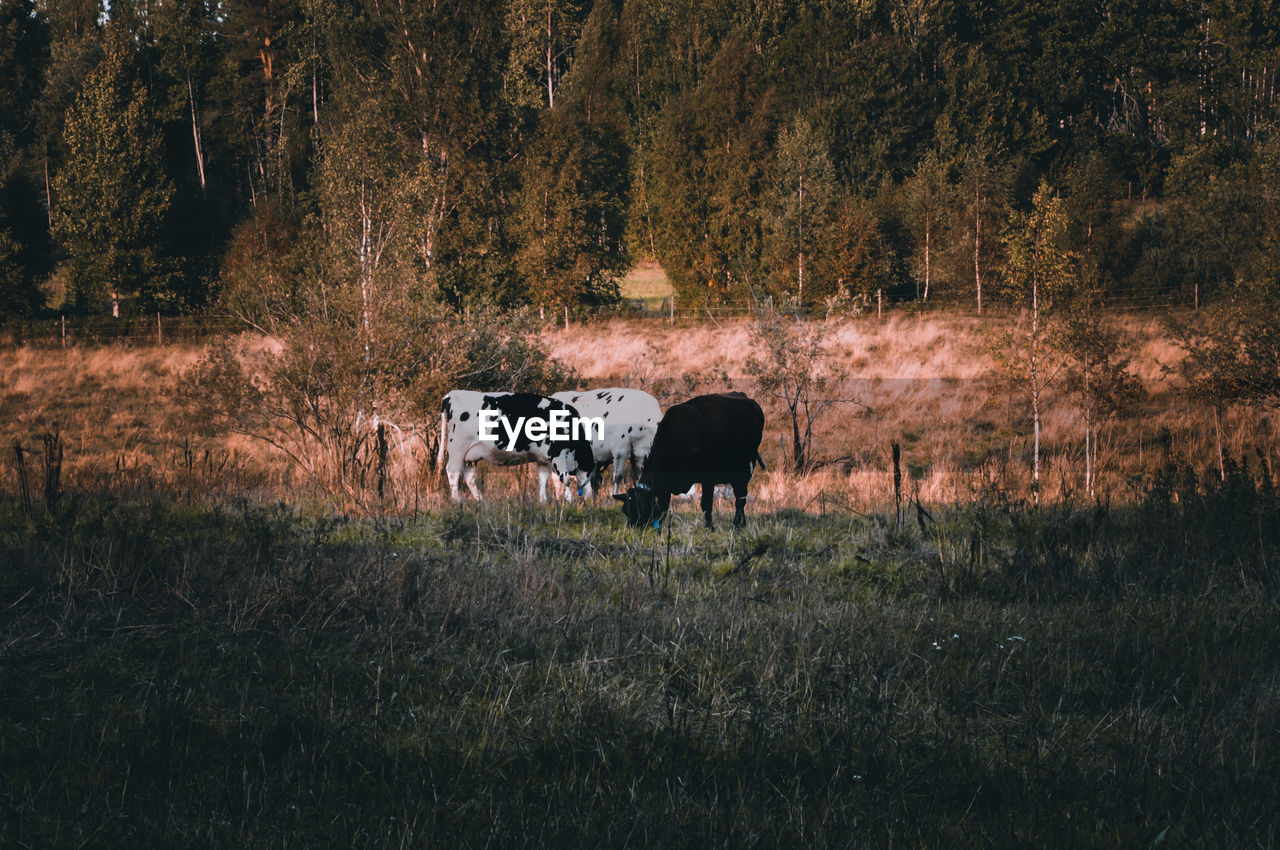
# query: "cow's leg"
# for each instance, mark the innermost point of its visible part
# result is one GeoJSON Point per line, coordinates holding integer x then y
{"type": "Point", "coordinates": [637, 464]}
{"type": "Point", "coordinates": [619, 472]}
{"type": "Point", "coordinates": [708, 497]}
{"type": "Point", "coordinates": [739, 504]}
{"type": "Point", "coordinates": [469, 478]}
{"type": "Point", "coordinates": [544, 472]}
{"type": "Point", "coordinates": [453, 471]}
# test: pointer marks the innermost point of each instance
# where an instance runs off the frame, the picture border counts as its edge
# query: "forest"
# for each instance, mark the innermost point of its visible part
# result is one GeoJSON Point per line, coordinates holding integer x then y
{"type": "Point", "coordinates": [248, 157]}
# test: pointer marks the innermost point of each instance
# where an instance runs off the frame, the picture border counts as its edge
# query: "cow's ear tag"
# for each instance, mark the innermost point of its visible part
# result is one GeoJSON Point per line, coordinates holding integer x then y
{"type": "Point", "coordinates": [657, 523]}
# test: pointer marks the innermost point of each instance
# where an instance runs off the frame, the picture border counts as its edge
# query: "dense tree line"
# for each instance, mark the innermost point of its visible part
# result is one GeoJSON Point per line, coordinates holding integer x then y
{"type": "Point", "coordinates": [258, 154]}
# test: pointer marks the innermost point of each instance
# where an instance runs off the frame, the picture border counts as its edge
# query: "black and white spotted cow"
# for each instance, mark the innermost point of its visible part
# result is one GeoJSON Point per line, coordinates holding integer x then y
{"type": "Point", "coordinates": [630, 420]}
{"type": "Point", "coordinates": [508, 429]}
{"type": "Point", "coordinates": [707, 440]}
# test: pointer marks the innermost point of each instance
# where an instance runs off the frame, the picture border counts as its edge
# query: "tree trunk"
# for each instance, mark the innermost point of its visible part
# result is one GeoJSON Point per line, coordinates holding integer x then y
{"type": "Point", "coordinates": [1035, 387]}
{"type": "Point", "coordinates": [977, 245]}
{"type": "Point", "coordinates": [928, 232]}
{"type": "Point", "coordinates": [800, 261]}
{"type": "Point", "coordinates": [551, 91]}
{"type": "Point", "coordinates": [195, 132]}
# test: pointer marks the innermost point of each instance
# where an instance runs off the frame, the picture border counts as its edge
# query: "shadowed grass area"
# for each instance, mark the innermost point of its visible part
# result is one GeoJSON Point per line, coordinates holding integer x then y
{"type": "Point", "coordinates": [175, 672]}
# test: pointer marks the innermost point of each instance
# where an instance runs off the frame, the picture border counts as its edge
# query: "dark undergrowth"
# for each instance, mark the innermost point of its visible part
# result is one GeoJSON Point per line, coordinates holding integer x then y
{"type": "Point", "coordinates": [235, 674]}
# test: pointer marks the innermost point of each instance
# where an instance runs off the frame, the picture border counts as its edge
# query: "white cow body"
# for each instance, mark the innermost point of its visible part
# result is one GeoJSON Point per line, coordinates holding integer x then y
{"type": "Point", "coordinates": [462, 446]}
{"type": "Point", "coordinates": [630, 421]}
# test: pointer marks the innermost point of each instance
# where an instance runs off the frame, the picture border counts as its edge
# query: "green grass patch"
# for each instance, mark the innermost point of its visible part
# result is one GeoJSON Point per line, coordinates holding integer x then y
{"type": "Point", "coordinates": [176, 673]}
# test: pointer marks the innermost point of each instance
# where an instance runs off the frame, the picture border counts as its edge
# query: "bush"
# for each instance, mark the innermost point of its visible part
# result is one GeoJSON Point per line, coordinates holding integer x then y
{"type": "Point", "coordinates": [345, 403]}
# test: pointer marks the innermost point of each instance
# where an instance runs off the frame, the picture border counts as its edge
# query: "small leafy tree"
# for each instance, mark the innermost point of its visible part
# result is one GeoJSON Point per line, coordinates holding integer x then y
{"type": "Point", "coordinates": [1040, 275]}
{"type": "Point", "coordinates": [927, 193]}
{"type": "Point", "coordinates": [981, 196]}
{"type": "Point", "coordinates": [1097, 358]}
{"type": "Point", "coordinates": [794, 368]}
{"type": "Point", "coordinates": [1233, 353]}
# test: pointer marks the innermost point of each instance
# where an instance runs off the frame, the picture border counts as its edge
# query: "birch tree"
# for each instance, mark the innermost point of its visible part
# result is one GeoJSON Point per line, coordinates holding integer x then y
{"type": "Point", "coordinates": [927, 191]}
{"type": "Point", "coordinates": [541, 34]}
{"type": "Point", "coordinates": [803, 194]}
{"type": "Point", "coordinates": [1040, 275]}
{"type": "Point", "coordinates": [984, 186]}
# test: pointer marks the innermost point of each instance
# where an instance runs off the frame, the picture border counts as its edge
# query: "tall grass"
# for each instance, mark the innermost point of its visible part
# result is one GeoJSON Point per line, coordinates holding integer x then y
{"type": "Point", "coordinates": [921, 380]}
{"type": "Point", "coordinates": [186, 671]}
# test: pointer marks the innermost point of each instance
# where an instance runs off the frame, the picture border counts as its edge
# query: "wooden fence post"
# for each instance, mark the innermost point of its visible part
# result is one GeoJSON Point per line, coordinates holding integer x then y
{"type": "Point", "coordinates": [897, 481]}
{"type": "Point", "coordinates": [23, 487]}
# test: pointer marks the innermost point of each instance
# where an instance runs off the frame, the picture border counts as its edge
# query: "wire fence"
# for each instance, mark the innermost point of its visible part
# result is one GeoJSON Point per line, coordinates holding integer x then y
{"type": "Point", "coordinates": [157, 329]}
{"type": "Point", "coordinates": [66, 331]}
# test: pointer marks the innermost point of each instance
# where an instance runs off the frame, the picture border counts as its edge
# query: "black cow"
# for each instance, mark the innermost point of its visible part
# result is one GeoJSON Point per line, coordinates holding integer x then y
{"type": "Point", "coordinates": [707, 440]}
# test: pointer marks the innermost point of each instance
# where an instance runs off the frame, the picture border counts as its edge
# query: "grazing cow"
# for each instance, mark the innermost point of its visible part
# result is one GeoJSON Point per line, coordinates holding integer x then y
{"type": "Point", "coordinates": [708, 440]}
{"type": "Point", "coordinates": [508, 429]}
{"type": "Point", "coordinates": [630, 420]}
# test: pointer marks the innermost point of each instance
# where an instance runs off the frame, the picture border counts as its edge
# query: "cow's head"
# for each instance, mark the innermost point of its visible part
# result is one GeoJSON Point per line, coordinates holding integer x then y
{"type": "Point", "coordinates": [639, 506]}
{"type": "Point", "coordinates": [574, 460]}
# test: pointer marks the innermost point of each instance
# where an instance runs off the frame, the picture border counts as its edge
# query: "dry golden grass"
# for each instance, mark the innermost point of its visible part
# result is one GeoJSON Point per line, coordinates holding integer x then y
{"type": "Point", "coordinates": [921, 380]}
{"type": "Point", "coordinates": [646, 282]}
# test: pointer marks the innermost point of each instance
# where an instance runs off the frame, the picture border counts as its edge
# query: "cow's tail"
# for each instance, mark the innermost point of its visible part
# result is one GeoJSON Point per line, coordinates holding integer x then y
{"type": "Point", "coordinates": [760, 461]}
{"type": "Point", "coordinates": [444, 417]}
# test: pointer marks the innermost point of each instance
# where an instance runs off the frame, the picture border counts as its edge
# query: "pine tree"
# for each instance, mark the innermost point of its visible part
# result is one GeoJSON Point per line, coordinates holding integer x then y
{"type": "Point", "coordinates": [24, 241]}
{"type": "Point", "coordinates": [111, 195]}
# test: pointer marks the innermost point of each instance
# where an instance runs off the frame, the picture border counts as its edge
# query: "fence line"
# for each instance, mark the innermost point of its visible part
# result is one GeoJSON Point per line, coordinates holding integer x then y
{"type": "Point", "coordinates": [156, 329]}
{"type": "Point", "coordinates": [65, 331]}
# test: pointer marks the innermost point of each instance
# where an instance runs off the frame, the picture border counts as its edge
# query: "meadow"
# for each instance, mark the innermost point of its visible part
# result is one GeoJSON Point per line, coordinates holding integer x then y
{"type": "Point", "coordinates": [197, 650]}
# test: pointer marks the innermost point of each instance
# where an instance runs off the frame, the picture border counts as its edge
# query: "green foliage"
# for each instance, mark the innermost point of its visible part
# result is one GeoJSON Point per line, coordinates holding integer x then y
{"type": "Point", "coordinates": [543, 143]}
{"type": "Point", "coordinates": [112, 196]}
{"type": "Point", "coordinates": [571, 211]}
{"type": "Point", "coordinates": [804, 198]}
{"type": "Point", "coordinates": [1233, 349]}
{"type": "Point", "coordinates": [707, 162]}
{"type": "Point", "coordinates": [345, 367]}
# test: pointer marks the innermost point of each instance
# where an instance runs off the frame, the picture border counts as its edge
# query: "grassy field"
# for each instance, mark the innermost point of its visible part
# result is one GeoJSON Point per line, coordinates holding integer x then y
{"type": "Point", "coordinates": [180, 672]}
{"type": "Point", "coordinates": [196, 650]}
{"type": "Point", "coordinates": [646, 282]}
